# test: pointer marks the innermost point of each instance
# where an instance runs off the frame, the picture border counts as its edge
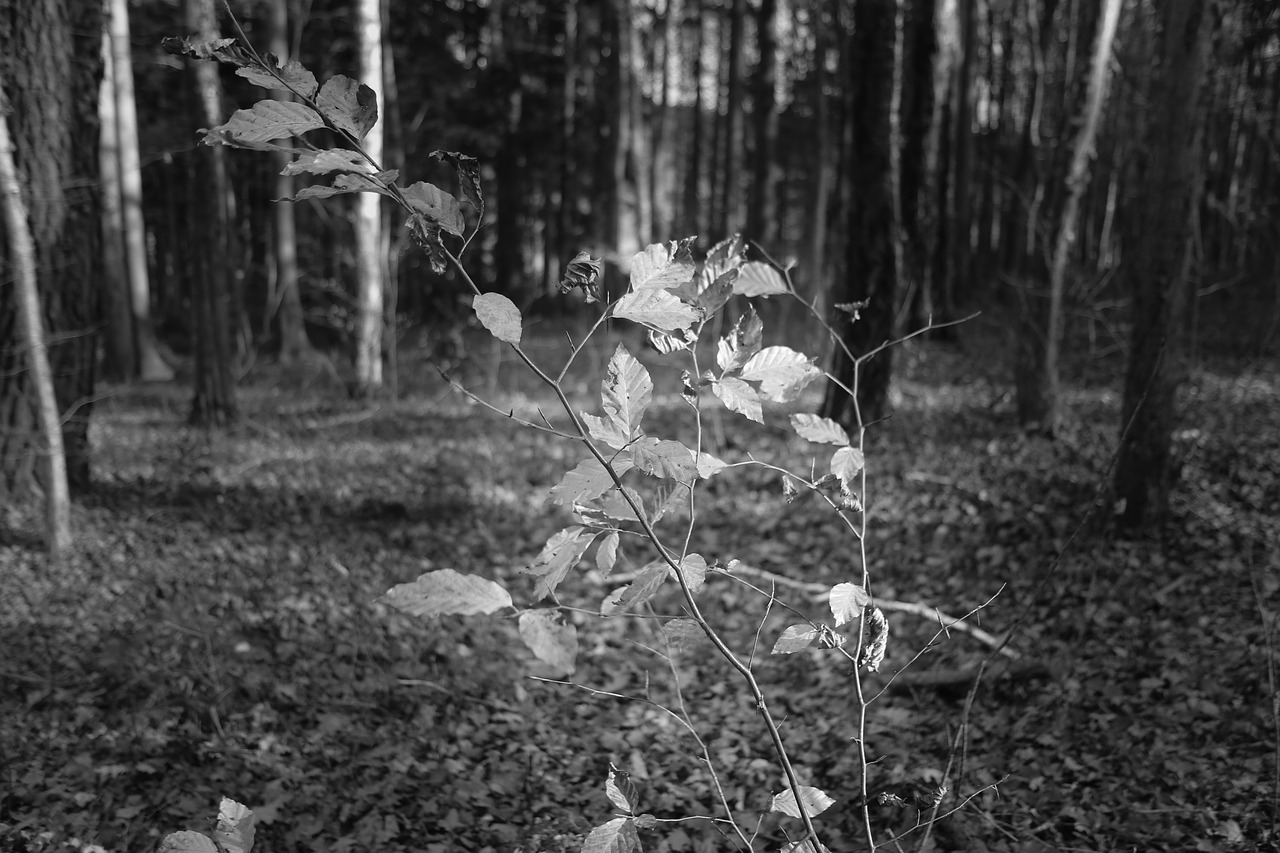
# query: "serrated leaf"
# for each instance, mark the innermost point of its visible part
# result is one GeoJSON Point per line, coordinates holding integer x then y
{"type": "Point", "coordinates": [819, 429]}
{"type": "Point", "coordinates": [846, 463]}
{"type": "Point", "coordinates": [621, 791]}
{"type": "Point", "coordinates": [656, 309]}
{"type": "Point", "coordinates": [683, 634]}
{"type": "Point", "coordinates": [781, 371]}
{"type": "Point", "coordinates": [607, 553]}
{"type": "Point", "coordinates": [814, 801]}
{"type": "Point", "coordinates": [326, 161]}
{"type": "Point", "coordinates": [188, 842]}
{"type": "Point", "coordinates": [345, 183]}
{"type": "Point", "coordinates": [267, 120]}
{"type": "Point", "coordinates": [437, 205]}
{"type": "Point", "coordinates": [235, 827]}
{"type": "Point", "coordinates": [694, 569]}
{"type": "Point", "coordinates": [553, 641]}
{"type": "Point", "coordinates": [499, 315]}
{"type": "Point", "coordinates": [561, 553]}
{"type": "Point", "coordinates": [292, 75]}
{"type": "Point", "coordinates": [445, 592]}
{"type": "Point", "coordinates": [739, 397]}
{"type": "Point", "coordinates": [709, 466]}
{"type": "Point", "coordinates": [468, 169]}
{"type": "Point", "coordinates": [794, 639]}
{"type": "Point", "coordinates": [605, 431]}
{"type": "Point", "coordinates": [588, 481]}
{"type": "Point", "coordinates": [662, 265]}
{"type": "Point", "coordinates": [626, 392]}
{"type": "Point", "coordinates": [640, 590]}
{"type": "Point", "coordinates": [667, 459]}
{"type": "Point", "coordinates": [759, 279]}
{"type": "Point", "coordinates": [348, 105]}
{"type": "Point", "coordinates": [617, 836]}
{"type": "Point", "coordinates": [847, 601]}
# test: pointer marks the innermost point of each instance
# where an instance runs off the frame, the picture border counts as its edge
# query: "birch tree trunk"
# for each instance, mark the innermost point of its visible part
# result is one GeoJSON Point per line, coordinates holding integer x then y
{"type": "Point", "coordinates": [370, 263]}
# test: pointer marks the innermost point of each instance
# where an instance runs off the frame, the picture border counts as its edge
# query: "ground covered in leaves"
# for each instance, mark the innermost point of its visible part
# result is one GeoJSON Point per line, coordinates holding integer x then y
{"type": "Point", "coordinates": [219, 633]}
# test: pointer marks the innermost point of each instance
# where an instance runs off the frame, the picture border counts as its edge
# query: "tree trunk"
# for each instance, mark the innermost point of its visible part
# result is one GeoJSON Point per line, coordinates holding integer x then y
{"type": "Point", "coordinates": [52, 61]}
{"type": "Point", "coordinates": [294, 345]}
{"type": "Point", "coordinates": [920, 51]}
{"type": "Point", "coordinates": [214, 401]}
{"type": "Point", "coordinates": [32, 339]}
{"type": "Point", "coordinates": [370, 260]}
{"type": "Point", "coordinates": [762, 215]}
{"type": "Point", "coordinates": [729, 221]}
{"type": "Point", "coordinates": [693, 180]}
{"type": "Point", "coordinates": [871, 267]}
{"type": "Point", "coordinates": [1169, 175]}
{"type": "Point", "coordinates": [121, 357]}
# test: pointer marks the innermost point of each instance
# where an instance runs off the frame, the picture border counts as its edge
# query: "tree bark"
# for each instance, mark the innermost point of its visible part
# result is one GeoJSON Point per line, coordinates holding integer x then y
{"type": "Point", "coordinates": [52, 60]}
{"type": "Point", "coordinates": [370, 260]}
{"type": "Point", "coordinates": [32, 338]}
{"type": "Point", "coordinates": [762, 215]}
{"type": "Point", "coordinates": [214, 401]}
{"type": "Point", "coordinates": [729, 221]}
{"type": "Point", "coordinates": [871, 265]}
{"type": "Point", "coordinates": [1169, 175]}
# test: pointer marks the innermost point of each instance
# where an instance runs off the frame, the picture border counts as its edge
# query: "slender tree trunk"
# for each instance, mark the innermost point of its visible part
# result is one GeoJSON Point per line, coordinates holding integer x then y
{"type": "Point", "coordinates": [32, 338]}
{"type": "Point", "coordinates": [1169, 175]}
{"type": "Point", "coordinates": [294, 345]}
{"type": "Point", "coordinates": [121, 361]}
{"type": "Point", "coordinates": [920, 51]}
{"type": "Point", "coordinates": [729, 208]}
{"type": "Point", "coordinates": [52, 62]}
{"type": "Point", "coordinates": [693, 221]}
{"type": "Point", "coordinates": [762, 215]}
{"type": "Point", "coordinates": [871, 264]}
{"type": "Point", "coordinates": [957, 277]}
{"type": "Point", "coordinates": [822, 172]}
{"type": "Point", "coordinates": [370, 259]}
{"type": "Point", "coordinates": [214, 401]}
{"type": "Point", "coordinates": [635, 229]}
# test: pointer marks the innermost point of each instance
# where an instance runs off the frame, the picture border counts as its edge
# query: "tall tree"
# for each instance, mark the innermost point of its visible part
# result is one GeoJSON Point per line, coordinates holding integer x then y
{"type": "Point", "coordinates": [728, 211]}
{"type": "Point", "coordinates": [871, 269]}
{"type": "Point", "coordinates": [1169, 176]}
{"type": "Point", "coordinates": [370, 258]}
{"type": "Point", "coordinates": [762, 207]}
{"type": "Point", "coordinates": [214, 401]}
{"type": "Point", "coordinates": [31, 336]}
{"type": "Point", "coordinates": [52, 62]}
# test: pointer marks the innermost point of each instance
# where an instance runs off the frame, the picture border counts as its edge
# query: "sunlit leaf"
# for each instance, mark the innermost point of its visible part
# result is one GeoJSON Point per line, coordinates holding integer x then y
{"type": "Point", "coordinates": [847, 601]}
{"type": "Point", "coordinates": [795, 638]}
{"type": "Point", "coordinates": [589, 480]}
{"type": "Point", "coordinates": [656, 309]}
{"type": "Point", "coordinates": [664, 458]}
{"type": "Point", "coordinates": [739, 397]}
{"type": "Point", "coordinates": [621, 791]}
{"type": "Point", "coordinates": [235, 827]}
{"type": "Point", "coordinates": [188, 842]}
{"type": "Point", "coordinates": [694, 569]}
{"type": "Point", "coordinates": [437, 205]}
{"type": "Point", "coordinates": [819, 429]}
{"type": "Point", "coordinates": [814, 801]}
{"type": "Point", "coordinates": [709, 466]}
{"type": "Point", "coordinates": [617, 836]}
{"type": "Point", "coordinates": [626, 392]}
{"type": "Point", "coordinates": [561, 553]}
{"type": "Point", "coordinates": [551, 639]}
{"type": "Point", "coordinates": [607, 553]}
{"type": "Point", "coordinates": [742, 342]}
{"type": "Point", "coordinates": [445, 592]}
{"type": "Point", "coordinates": [661, 266]}
{"type": "Point", "coordinates": [326, 161]}
{"type": "Point", "coordinates": [846, 464]}
{"type": "Point", "coordinates": [759, 279]}
{"type": "Point", "coordinates": [267, 120]}
{"type": "Point", "coordinates": [499, 315]}
{"type": "Point", "coordinates": [781, 371]}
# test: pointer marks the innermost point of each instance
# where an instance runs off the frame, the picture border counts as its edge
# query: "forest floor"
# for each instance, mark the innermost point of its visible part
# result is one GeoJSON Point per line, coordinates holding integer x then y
{"type": "Point", "coordinates": [219, 633]}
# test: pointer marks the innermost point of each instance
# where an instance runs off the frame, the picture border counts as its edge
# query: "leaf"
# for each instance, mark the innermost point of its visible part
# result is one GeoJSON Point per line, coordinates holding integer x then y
{"type": "Point", "coordinates": [813, 800]}
{"type": "Point", "coordinates": [709, 466]}
{"type": "Point", "coordinates": [759, 279]}
{"type": "Point", "coordinates": [739, 397]}
{"type": "Point", "coordinates": [426, 234]}
{"type": "Point", "coordinates": [621, 791]}
{"type": "Point", "coordinates": [235, 827]}
{"type": "Point", "coordinates": [794, 639]}
{"type": "Point", "coordinates": [445, 592]}
{"type": "Point", "coordinates": [264, 121]}
{"type": "Point", "coordinates": [847, 601]}
{"type": "Point", "coordinates": [583, 273]}
{"type": "Point", "coordinates": [346, 183]}
{"type": "Point", "coordinates": [781, 371]}
{"type": "Point", "coordinates": [291, 75]}
{"type": "Point", "coordinates": [626, 392]}
{"type": "Point", "coordinates": [608, 432]}
{"type": "Point", "coordinates": [468, 169]}
{"type": "Point", "coordinates": [640, 590]}
{"type": "Point", "coordinates": [607, 553]}
{"type": "Point", "coordinates": [808, 845]}
{"type": "Point", "coordinates": [714, 296]}
{"type": "Point", "coordinates": [617, 836]}
{"type": "Point", "coordinates": [219, 49]}
{"type": "Point", "coordinates": [437, 205]}
{"type": "Point", "coordinates": [589, 480]}
{"type": "Point", "coordinates": [326, 161]}
{"type": "Point", "coordinates": [349, 105]}
{"type": "Point", "coordinates": [876, 640]}
{"type": "Point", "coordinates": [681, 339]}
{"type": "Point", "coordinates": [662, 265]}
{"type": "Point", "coordinates": [656, 309]}
{"type": "Point", "coordinates": [683, 633]}
{"type": "Point", "coordinates": [561, 553]}
{"type": "Point", "coordinates": [819, 429]}
{"type": "Point", "coordinates": [499, 315]}
{"type": "Point", "coordinates": [188, 842]}
{"type": "Point", "coordinates": [553, 641]}
{"type": "Point", "coordinates": [846, 463]}
{"type": "Point", "coordinates": [616, 507]}
{"type": "Point", "coordinates": [735, 348]}
{"type": "Point", "coordinates": [666, 459]}
{"type": "Point", "coordinates": [694, 569]}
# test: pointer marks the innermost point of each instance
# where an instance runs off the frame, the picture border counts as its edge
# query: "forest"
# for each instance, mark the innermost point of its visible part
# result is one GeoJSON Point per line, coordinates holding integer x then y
{"type": "Point", "coordinates": [619, 425]}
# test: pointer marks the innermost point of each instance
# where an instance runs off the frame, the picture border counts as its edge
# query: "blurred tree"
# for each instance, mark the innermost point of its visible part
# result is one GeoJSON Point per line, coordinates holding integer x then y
{"type": "Point", "coordinates": [371, 260]}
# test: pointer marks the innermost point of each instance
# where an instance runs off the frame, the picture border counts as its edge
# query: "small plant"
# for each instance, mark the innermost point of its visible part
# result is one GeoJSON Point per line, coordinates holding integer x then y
{"type": "Point", "coordinates": [629, 481]}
